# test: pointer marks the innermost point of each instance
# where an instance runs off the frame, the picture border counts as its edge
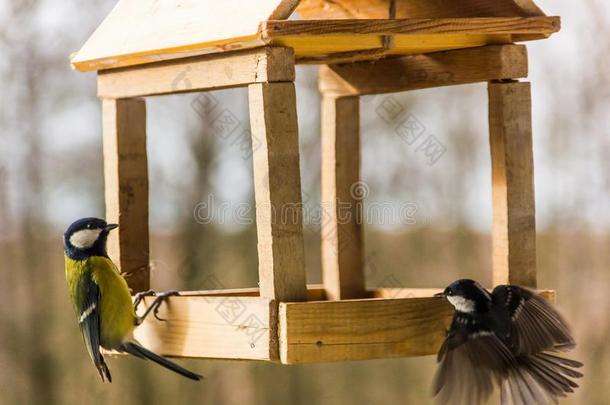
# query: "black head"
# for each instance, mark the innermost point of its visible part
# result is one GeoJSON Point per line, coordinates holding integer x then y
{"type": "Point", "coordinates": [87, 237]}
{"type": "Point", "coordinates": [467, 296]}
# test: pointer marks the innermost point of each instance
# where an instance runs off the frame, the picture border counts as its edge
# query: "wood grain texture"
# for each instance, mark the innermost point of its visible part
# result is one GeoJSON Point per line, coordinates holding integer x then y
{"type": "Point", "coordinates": [314, 9]}
{"type": "Point", "coordinates": [478, 25]}
{"type": "Point", "coordinates": [144, 31]}
{"type": "Point", "coordinates": [361, 329]}
{"type": "Point", "coordinates": [364, 329]}
{"type": "Point", "coordinates": [514, 221]}
{"type": "Point", "coordinates": [213, 72]}
{"type": "Point", "coordinates": [228, 327]}
{"type": "Point", "coordinates": [126, 188]}
{"type": "Point", "coordinates": [341, 233]}
{"type": "Point", "coordinates": [425, 71]}
{"type": "Point", "coordinates": [277, 189]}
{"type": "Point", "coordinates": [237, 325]}
{"type": "Point", "coordinates": [314, 41]}
{"type": "Point", "coordinates": [319, 41]}
{"type": "Point", "coordinates": [332, 49]}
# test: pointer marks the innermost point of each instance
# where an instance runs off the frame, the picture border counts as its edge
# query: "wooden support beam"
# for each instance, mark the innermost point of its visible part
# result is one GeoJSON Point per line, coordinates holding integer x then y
{"type": "Point", "coordinates": [411, 26]}
{"type": "Point", "coordinates": [211, 72]}
{"type": "Point", "coordinates": [126, 187]}
{"type": "Point", "coordinates": [229, 327]}
{"type": "Point", "coordinates": [313, 332]}
{"type": "Point", "coordinates": [277, 189]}
{"type": "Point", "coordinates": [514, 221]}
{"type": "Point", "coordinates": [424, 71]}
{"type": "Point", "coordinates": [342, 260]}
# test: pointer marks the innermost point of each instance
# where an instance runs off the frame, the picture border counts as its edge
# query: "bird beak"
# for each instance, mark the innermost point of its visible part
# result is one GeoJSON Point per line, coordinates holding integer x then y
{"type": "Point", "coordinates": [439, 295]}
{"type": "Point", "coordinates": [110, 227]}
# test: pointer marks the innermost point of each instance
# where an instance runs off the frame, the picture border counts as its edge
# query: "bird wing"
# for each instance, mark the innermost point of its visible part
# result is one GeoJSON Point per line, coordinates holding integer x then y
{"type": "Point", "coordinates": [535, 325]}
{"type": "Point", "coordinates": [88, 310]}
{"type": "Point", "coordinates": [471, 360]}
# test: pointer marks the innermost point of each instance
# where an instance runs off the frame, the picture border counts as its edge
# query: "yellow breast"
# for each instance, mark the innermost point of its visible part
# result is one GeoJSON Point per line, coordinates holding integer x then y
{"type": "Point", "coordinates": [117, 316]}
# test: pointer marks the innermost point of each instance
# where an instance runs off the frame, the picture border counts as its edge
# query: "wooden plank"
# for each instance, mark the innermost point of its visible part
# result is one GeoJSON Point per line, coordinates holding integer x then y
{"type": "Point", "coordinates": [267, 64]}
{"type": "Point", "coordinates": [126, 187]}
{"type": "Point", "coordinates": [425, 71]}
{"type": "Point", "coordinates": [277, 189]}
{"type": "Point", "coordinates": [361, 48]}
{"type": "Point", "coordinates": [144, 31]}
{"type": "Point", "coordinates": [312, 9]}
{"type": "Point", "coordinates": [212, 327]}
{"type": "Point", "coordinates": [327, 49]}
{"type": "Point", "coordinates": [246, 327]}
{"type": "Point", "coordinates": [479, 25]}
{"type": "Point", "coordinates": [364, 329]}
{"type": "Point", "coordinates": [514, 222]}
{"type": "Point", "coordinates": [342, 260]}
{"type": "Point", "coordinates": [361, 329]}
{"type": "Point", "coordinates": [323, 41]}
{"type": "Point", "coordinates": [317, 38]}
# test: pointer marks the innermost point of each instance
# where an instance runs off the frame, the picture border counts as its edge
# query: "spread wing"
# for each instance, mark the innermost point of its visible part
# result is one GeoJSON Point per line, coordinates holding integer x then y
{"type": "Point", "coordinates": [535, 330]}
{"type": "Point", "coordinates": [535, 326]}
{"type": "Point", "coordinates": [88, 310]}
{"type": "Point", "coordinates": [472, 360]}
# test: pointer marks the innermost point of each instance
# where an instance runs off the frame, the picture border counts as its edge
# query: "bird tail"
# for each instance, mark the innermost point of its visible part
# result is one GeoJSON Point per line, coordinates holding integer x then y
{"type": "Point", "coordinates": [136, 350]}
{"type": "Point", "coordinates": [540, 378]}
{"type": "Point", "coordinates": [102, 368]}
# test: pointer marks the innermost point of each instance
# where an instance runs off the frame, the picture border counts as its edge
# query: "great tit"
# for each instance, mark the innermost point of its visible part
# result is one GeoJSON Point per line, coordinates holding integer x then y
{"type": "Point", "coordinates": [101, 298]}
{"type": "Point", "coordinates": [508, 338]}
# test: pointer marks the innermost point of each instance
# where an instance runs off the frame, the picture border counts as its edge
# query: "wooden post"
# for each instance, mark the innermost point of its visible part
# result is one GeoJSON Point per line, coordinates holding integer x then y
{"type": "Point", "coordinates": [342, 261]}
{"type": "Point", "coordinates": [277, 189]}
{"type": "Point", "coordinates": [126, 188]}
{"type": "Point", "coordinates": [514, 223]}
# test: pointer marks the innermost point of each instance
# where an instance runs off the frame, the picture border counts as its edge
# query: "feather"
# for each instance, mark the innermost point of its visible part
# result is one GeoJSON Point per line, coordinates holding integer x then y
{"type": "Point", "coordinates": [89, 322]}
{"type": "Point", "coordinates": [145, 354]}
{"type": "Point", "coordinates": [468, 372]}
{"type": "Point", "coordinates": [510, 339]}
{"type": "Point", "coordinates": [535, 325]}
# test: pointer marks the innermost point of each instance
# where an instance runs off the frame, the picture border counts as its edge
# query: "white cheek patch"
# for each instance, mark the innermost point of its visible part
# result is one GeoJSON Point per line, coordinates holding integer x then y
{"type": "Point", "coordinates": [461, 304]}
{"type": "Point", "coordinates": [84, 238]}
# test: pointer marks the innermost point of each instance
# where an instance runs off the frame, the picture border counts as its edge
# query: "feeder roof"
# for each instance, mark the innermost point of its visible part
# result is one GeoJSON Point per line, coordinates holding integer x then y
{"type": "Point", "coordinates": [144, 31]}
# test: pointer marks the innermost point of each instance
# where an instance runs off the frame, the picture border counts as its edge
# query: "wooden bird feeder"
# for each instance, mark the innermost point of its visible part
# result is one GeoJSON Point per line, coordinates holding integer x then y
{"type": "Point", "coordinates": [363, 47]}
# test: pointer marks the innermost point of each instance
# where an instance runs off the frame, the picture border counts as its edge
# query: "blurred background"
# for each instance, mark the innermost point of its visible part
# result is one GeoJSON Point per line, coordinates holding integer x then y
{"type": "Point", "coordinates": [51, 173]}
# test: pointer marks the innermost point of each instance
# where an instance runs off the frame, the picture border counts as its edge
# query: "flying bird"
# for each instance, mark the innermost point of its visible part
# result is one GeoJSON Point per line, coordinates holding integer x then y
{"type": "Point", "coordinates": [510, 338]}
{"type": "Point", "coordinates": [101, 298]}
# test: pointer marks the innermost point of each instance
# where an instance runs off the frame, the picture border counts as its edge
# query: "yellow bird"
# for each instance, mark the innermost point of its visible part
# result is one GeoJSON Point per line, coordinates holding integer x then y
{"type": "Point", "coordinates": [101, 298]}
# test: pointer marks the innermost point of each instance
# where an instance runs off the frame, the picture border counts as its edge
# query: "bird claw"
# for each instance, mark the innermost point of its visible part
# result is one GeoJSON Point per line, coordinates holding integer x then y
{"type": "Point", "coordinates": [140, 296]}
{"type": "Point", "coordinates": [159, 300]}
{"type": "Point", "coordinates": [154, 307]}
